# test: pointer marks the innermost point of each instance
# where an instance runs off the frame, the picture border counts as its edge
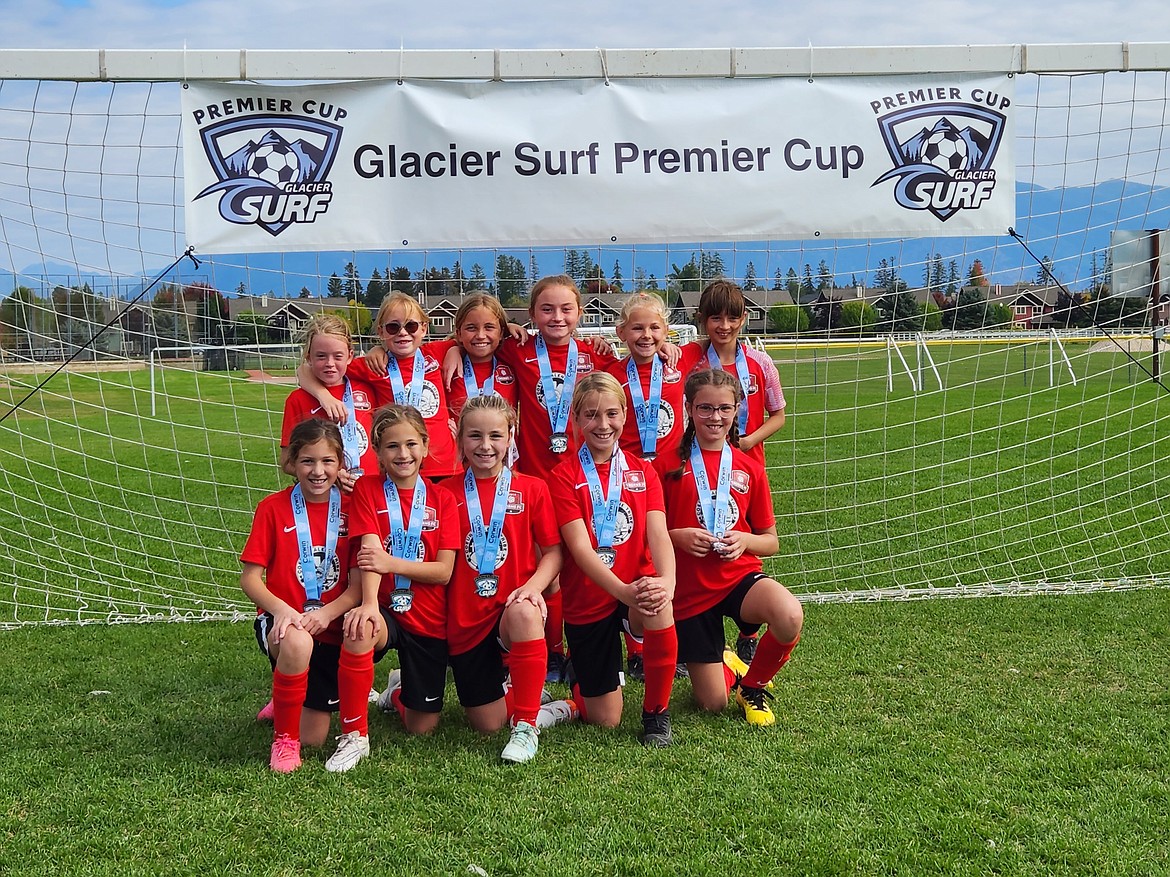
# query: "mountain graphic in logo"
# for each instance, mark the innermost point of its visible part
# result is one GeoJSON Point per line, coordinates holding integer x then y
{"type": "Point", "coordinates": [942, 165]}
{"type": "Point", "coordinates": [271, 179]}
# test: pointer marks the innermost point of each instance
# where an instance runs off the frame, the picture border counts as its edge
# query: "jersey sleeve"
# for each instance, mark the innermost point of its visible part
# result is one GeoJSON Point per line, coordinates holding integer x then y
{"type": "Point", "coordinates": [544, 520]}
{"type": "Point", "coordinates": [761, 514]}
{"type": "Point", "coordinates": [655, 501]}
{"type": "Point", "coordinates": [564, 494]}
{"type": "Point", "coordinates": [773, 392]}
{"type": "Point", "coordinates": [260, 547]}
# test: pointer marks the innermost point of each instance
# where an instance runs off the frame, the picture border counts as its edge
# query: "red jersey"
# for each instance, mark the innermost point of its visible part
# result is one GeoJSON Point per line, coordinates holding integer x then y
{"type": "Point", "coordinates": [272, 544]}
{"type": "Point", "coordinates": [584, 601]}
{"type": "Point", "coordinates": [764, 394]}
{"type": "Point", "coordinates": [428, 613]}
{"type": "Point", "coordinates": [704, 581]}
{"type": "Point", "coordinates": [432, 405]}
{"type": "Point", "coordinates": [670, 408]}
{"type": "Point", "coordinates": [301, 405]}
{"type": "Point", "coordinates": [503, 384]}
{"type": "Point", "coordinates": [532, 438]}
{"type": "Point", "coordinates": [528, 522]}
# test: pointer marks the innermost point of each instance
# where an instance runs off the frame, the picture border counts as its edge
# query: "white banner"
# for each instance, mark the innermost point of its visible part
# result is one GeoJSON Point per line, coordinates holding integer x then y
{"type": "Point", "coordinates": [570, 162]}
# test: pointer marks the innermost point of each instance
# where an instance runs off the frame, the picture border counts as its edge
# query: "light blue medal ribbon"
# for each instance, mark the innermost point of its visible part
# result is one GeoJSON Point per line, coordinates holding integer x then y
{"type": "Point", "coordinates": [411, 395]}
{"type": "Point", "coordinates": [349, 433]}
{"type": "Point", "coordinates": [745, 379]}
{"type": "Point", "coordinates": [485, 538]}
{"type": "Point", "coordinates": [557, 403]}
{"type": "Point", "coordinates": [474, 389]}
{"type": "Point", "coordinates": [313, 576]}
{"type": "Point", "coordinates": [716, 510]}
{"type": "Point", "coordinates": [646, 409]}
{"type": "Point", "coordinates": [404, 540]}
{"type": "Point", "coordinates": [605, 504]}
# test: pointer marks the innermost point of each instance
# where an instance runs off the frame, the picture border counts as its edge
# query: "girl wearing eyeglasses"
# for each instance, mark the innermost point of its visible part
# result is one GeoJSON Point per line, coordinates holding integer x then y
{"type": "Point", "coordinates": [413, 378]}
{"type": "Point", "coordinates": [719, 514]}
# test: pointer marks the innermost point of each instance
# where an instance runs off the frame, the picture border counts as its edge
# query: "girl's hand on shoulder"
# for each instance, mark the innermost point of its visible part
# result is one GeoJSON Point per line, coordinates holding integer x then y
{"type": "Point", "coordinates": [733, 545]}
{"type": "Point", "coordinates": [332, 408]}
{"type": "Point", "coordinates": [670, 354]}
{"type": "Point", "coordinates": [376, 358]}
{"type": "Point", "coordinates": [600, 345]}
{"type": "Point", "coordinates": [518, 333]}
{"type": "Point", "coordinates": [346, 480]}
{"type": "Point", "coordinates": [452, 364]}
{"type": "Point", "coordinates": [373, 558]}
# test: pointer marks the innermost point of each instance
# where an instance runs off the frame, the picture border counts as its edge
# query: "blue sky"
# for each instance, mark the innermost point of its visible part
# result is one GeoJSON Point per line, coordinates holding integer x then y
{"type": "Point", "coordinates": [364, 24]}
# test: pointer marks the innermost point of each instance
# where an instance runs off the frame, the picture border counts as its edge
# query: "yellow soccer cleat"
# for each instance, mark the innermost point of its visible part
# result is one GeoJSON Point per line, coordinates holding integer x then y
{"type": "Point", "coordinates": [755, 706]}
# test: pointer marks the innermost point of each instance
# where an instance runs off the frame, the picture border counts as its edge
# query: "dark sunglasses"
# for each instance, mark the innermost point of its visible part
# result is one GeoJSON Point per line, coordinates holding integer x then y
{"type": "Point", "coordinates": [394, 327]}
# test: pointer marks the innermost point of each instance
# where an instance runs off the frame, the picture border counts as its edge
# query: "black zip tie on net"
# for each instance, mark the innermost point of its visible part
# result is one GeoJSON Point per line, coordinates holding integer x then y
{"type": "Point", "coordinates": [189, 253]}
{"type": "Point", "coordinates": [1084, 310]}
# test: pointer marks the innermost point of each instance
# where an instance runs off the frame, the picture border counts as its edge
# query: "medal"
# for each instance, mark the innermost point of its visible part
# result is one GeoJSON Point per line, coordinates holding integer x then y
{"type": "Point", "coordinates": [745, 379]}
{"type": "Point", "coordinates": [557, 401]}
{"type": "Point", "coordinates": [310, 605]}
{"type": "Point", "coordinates": [401, 599]}
{"type": "Point", "coordinates": [486, 537]}
{"type": "Point", "coordinates": [487, 585]}
{"type": "Point", "coordinates": [605, 504]}
{"type": "Point", "coordinates": [404, 540]}
{"type": "Point", "coordinates": [715, 505]}
{"type": "Point", "coordinates": [358, 472]}
{"type": "Point", "coordinates": [313, 577]}
{"type": "Point", "coordinates": [474, 389]}
{"type": "Point", "coordinates": [410, 395]}
{"type": "Point", "coordinates": [646, 408]}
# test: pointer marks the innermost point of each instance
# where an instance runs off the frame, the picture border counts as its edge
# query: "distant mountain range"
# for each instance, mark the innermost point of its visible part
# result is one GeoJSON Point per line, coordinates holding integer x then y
{"type": "Point", "coordinates": [1068, 225]}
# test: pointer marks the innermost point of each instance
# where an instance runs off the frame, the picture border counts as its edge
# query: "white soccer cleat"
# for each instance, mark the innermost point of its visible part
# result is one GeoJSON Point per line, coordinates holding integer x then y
{"type": "Point", "coordinates": [556, 712]}
{"type": "Point", "coordinates": [393, 683]}
{"type": "Point", "coordinates": [351, 748]}
{"type": "Point", "coordinates": [522, 744]}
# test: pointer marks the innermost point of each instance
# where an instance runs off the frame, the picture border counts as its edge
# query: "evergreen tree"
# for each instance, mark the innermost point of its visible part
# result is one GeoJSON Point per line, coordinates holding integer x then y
{"type": "Point", "coordinates": [511, 280]}
{"type": "Point", "coordinates": [652, 283]}
{"type": "Point", "coordinates": [376, 289]}
{"type": "Point", "coordinates": [806, 284]}
{"type": "Point", "coordinates": [975, 276]}
{"type": "Point", "coordinates": [825, 278]}
{"type": "Point", "coordinates": [688, 278]}
{"type": "Point", "coordinates": [952, 278]}
{"type": "Point", "coordinates": [749, 277]}
{"type": "Point", "coordinates": [305, 292]}
{"type": "Point", "coordinates": [241, 290]}
{"type": "Point", "coordinates": [458, 281]}
{"type": "Point", "coordinates": [400, 280]}
{"type": "Point", "coordinates": [792, 282]}
{"type": "Point", "coordinates": [639, 279]}
{"type": "Point", "coordinates": [881, 278]}
{"type": "Point", "coordinates": [937, 274]}
{"type": "Point", "coordinates": [333, 287]}
{"type": "Point", "coordinates": [533, 268]}
{"type": "Point", "coordinates": [1045, 272]}
{"type": "Point", "coordinates": [615, 283]}
{"type": "Point", "coordinates": [351, 286]}
{"type": "Point", "coordinates": [710, 267]}
{"type": "Point", "coordinates": [478, 279]}
{"type": "Point", "coordinates": [778, 280]}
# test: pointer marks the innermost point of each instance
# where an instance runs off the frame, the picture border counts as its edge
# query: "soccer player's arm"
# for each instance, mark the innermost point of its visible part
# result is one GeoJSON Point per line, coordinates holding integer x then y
{"type": "Point", "coordinates": [334, 408]}
{"type": "Point", "coordinates": [774, 402]}
{"type": "Point", "coordinates": [576, 538]}
{"type": "Point", "coordinates": [544, 533]}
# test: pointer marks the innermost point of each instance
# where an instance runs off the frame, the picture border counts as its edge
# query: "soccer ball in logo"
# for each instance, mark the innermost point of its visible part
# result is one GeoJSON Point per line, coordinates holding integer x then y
{"type": "Point", "coordinates": [946, 150]}
{"type": "Point", "coordinates": [274, 163]}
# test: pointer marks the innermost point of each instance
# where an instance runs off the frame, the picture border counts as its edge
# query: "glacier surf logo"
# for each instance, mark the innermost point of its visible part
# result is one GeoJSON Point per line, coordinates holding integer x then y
{"type": "Point", "coordinates": [943, 156]}
{"type": "Point", "coordinates": [272, 170]}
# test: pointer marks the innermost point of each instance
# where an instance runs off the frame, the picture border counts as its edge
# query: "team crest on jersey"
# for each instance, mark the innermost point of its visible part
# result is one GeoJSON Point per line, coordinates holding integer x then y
{"type": "Point", "coordinates": [558, 379]}
{"type": "Point", "coordinates": [515, 504]}
{"type": "Point", "coordinates": [634, 480]}
{"type": "Point", "coordinates": [470, 556]}
{"type": "Point", "coordinates": [361, 401]}
{"type": "Point", "coordinates": [741, 482]}
{"type": "Point", "coordinates": [584, 363]}
{"type": "Point", "coordinates": [623, 527]}
{"type": "Point", "coordinates": [503, 376]}
{"type": "Point", "coordinates": [753, 386]}
{"type": "Point", "coordinates": [943, 151]}
{"type": "Point", "coordinates": [333, 574]}
{"type": "Point", "coordinates": [665, 419]}
{"type": "Point", "coordinates": [272, 169]}
{"type": "Point", "coordinates": [732, 510]}
{"type": "Point", "coordinates": [430, 364]}
{"type": "Point", "coordinates": [430, 519]}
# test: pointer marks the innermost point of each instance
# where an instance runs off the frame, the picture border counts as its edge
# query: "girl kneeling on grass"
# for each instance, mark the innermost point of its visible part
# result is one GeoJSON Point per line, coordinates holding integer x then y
{"type": "Point", "coordinates": [409, 536]}
{"type": "Point", "coordinates": [296, 564]}
{"type": "Point", "coordinates": [721, 523]}
{"type": "Point", "coordinates": [510, 552]}
{"type": "Point", "coordinates": [619, 573]}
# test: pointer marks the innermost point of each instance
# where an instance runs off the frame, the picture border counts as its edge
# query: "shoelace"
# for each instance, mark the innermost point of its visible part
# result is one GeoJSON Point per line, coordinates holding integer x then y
{"type": "Point", "coordinates": [757, 697]}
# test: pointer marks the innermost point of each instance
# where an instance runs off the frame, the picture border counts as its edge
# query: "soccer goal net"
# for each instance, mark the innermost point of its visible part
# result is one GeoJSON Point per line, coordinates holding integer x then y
{"type": "Point", "coordinates": [965, 415]}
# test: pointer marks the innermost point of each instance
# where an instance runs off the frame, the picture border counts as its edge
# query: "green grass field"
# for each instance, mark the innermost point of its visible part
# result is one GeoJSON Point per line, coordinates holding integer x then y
{"type": "Point", "coordinates": [960, 737]}
{"type": "Point", "coordinates": [993, 481]}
